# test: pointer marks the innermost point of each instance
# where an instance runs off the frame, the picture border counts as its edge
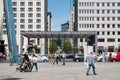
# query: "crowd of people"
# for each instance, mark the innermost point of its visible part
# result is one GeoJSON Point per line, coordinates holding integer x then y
{"type": "Point", "coordinates": [27, 63]}
{"type": "Point", "coordinates": [57, 57]}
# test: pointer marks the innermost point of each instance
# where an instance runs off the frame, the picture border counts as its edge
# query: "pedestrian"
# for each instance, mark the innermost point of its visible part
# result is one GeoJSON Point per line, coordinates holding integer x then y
{"type": "Point", "coordinates": [64, 57]}
{"type": "Point", "coordinates": [34, 61]}
{"type": "Point", "coordinates": [53, 59]}
{"type": "Point", "coordinates": [56, 58]}
{"type": "Point", "coordinates": [90, 60]}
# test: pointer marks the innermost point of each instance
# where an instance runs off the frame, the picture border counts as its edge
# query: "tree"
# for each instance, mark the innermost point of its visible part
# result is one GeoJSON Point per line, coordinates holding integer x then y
{"type": "Point", "coordinates": [67, 47]}
{"type": "Point", "coordinates": [53, 47]}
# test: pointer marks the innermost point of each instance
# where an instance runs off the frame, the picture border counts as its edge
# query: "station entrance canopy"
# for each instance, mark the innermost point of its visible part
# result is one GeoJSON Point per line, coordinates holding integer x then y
{"type": "Point", "coordinates": [90, 35]}
{"type": "Point", "coordinates": [56, 34]}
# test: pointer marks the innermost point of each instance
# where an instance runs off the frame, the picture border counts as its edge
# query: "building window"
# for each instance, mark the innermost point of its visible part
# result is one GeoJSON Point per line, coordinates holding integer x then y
{"type": "Point", "coordinates": [108, 11]}
{"type": "Point", "coordinates": [103, 26]}
{"type": "Point", "coordinates": [38, 9]}
{"type": "Point", "coordinates": [113, 25]}
{"type": "Point", "coordinates": [22, 9]}
{"type": "Point", "coordinates": [97, 11]}
{"type": "Point", "coordinates": [14, 9]}
{"type": "Point", "coordinates": [113, 33]}
{"type": "Point", "coordinates": [14, 3]}
{"type": "Point", "coordinates": [4, 32]}
{"type": "Point", "coordinates": [103, 4]}
{"type": "Point", "coordinates": [38, 20]}
{"type": "Point", "coordinates": [98, 33]}
{"type": "Point", "coordinates": [111, 40]}
{"type": "Point", "coordinates": [30, 26]}
{"type": "Point", "coordinates": [81, 40]}
{"type": "Point", "coordinates": [108, 25]}
{"type": "Point", "coordinates": [38, 26]}
{"type": "Point", "coordinates": [15, 26]}
{"type": "Point", "coordinates": [118, 11]}
{"type": "Point", "coordinates": [22, 26]}
{"type": "Point", "coordinates": [38, 3]}
{"type": "Point", "coordinates": [98, 26]}
{"type": "Point", "coordinates": [22, 15]}
{"type": "Point", "coordinates": [101, 40]}
{"type": "Point", "coordinates": [113, 18]}
{"type": "Point", "coordinates": [22, 21]}
{"type": "Point", "coordinates": [118, 4]}
{"type": "Point", "coordinates": [118, 39]}
{"type": "Point", "coordinates": [98, 4]}
{"type": "Point", "coordinates": [38, 41]}
{"type": "Point", "coordinates": [30, 3]}
{"type": "Point", "coordinates": [113, 4]}
{"type": "Point", "coordinates": [108, 18]}
{"type": "Point", "coordinates": [30, 9]}
{"type": "Point", "coordinates": [30, 21]}
{"type": "Point", "coordinates": [30, 15]}
{"type": "Point", "coordinates": [118, 32]}
{"type": "Point", "coordinates": [108, 33]}
{"type": "Point", "coordinates": [103, 18]}
{"type": "Point", "coordinates": [15, 20]}
{"type": "Point", "coordinates": [103, 11]}
{"type": "Point", "coordinates": [14, 14]}
{"type": "Point", "coordinates": [118, 18]}
{"type": "Point", "coordinates": [103, 33]}
{"type": "Point", "coordinates": [38, 15]}
{"type": "Point", "coordinates": [118, 25]}
{"type": "Point", "coordinates": [97, 18]}
{"type": "Point", "coordinates": [113, 11]}
{"type": "Point", "coordinates": [108, 4]}
{"type": "Point", "coordinates": [4, 26]}
{"type": "Point", "coordinates": [22, 3]}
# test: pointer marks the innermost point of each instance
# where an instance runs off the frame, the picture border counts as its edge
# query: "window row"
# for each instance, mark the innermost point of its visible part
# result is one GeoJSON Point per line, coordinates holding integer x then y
{"type": "Point", "coordinates": [99, 4]}
{"type": "Point", "coordinates": [99, 25]}
{"type": "Point", "coordinates": [29, 9]}
{"type": "Point", "coordinates": [23, 21]}
{"type": "Point", "coordinates": [103, 40]}
{"type": "Point", "coordinates": [108, 40]}
{"type": "Point", "coordinates": [92, 11]}
{"type": "Point", "coordinates": [29, 15]}
{"type": "Point", "coordinates": [23, 26]}
{"type": "Point", "coordinates": [108, 33]}
{"type": "Point", "coordinates": [99, 18]}
{"type": "Point", "coordinates": [24, 3]}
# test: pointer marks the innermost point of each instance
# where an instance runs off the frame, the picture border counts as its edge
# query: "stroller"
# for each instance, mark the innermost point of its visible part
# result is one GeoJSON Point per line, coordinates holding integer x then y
{"type": "Point", "coordinates": [25, 65]}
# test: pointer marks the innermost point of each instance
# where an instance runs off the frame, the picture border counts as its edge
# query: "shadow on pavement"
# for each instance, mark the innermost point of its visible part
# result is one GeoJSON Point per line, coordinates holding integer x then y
{"type": "Point", "coordinates": [11, 79]}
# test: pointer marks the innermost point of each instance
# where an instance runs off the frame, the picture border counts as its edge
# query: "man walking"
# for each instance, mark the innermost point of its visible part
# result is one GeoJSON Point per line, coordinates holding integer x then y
{"type": "Point", "coordinates": [90, 61]}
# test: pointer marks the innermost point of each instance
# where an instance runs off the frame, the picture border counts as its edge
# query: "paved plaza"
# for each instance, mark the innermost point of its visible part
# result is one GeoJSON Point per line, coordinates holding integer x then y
{"type": "Point", "coordinates": [71, 71]}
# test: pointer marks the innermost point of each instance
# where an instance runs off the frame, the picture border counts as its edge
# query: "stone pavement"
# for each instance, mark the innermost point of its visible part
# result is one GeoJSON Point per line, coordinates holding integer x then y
{"type": "Point", "coordinates": [71, 71]}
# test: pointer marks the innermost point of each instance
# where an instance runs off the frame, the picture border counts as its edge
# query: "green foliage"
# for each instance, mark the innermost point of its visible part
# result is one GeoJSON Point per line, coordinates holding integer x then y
{"type": "Point", "coordinates": [53, 47]}
{"type": "Point", "coordinates": [67, 47]}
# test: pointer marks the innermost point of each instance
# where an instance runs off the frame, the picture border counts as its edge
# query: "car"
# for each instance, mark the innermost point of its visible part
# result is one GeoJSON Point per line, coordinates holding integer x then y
{"type": "Point", "coordinates": [114, 56]}
{"type": "Point", "coordinates": [42, 58]}
{"type": "Point", "coordinates": [69, 56]}
{"type": "Point", "coordinates": [78, 57]}
{"type": "Point", "coordinates": [103, 57]}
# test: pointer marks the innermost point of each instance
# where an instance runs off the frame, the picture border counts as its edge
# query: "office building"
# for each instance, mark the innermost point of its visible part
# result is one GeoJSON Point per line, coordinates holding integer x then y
{"type": "Point", "coordinates": [29, 15]}
{"type": "Point", "coordinates": [102, 16]}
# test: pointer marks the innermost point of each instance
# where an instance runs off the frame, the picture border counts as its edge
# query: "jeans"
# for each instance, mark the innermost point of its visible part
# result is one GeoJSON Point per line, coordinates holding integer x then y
{"type": "Point", "coordinates": [89, 67]}
{"type": "Point", "coordinates": [34, 64]}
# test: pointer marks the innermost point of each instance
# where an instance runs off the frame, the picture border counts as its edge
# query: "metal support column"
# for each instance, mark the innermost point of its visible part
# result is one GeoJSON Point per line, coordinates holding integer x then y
{"type": "Point", "coordinates": [11, 31]}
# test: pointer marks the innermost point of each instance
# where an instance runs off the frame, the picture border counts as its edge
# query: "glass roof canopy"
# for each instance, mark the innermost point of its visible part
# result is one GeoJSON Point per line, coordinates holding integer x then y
{"type": "Point", "coordinates": [56, 34]}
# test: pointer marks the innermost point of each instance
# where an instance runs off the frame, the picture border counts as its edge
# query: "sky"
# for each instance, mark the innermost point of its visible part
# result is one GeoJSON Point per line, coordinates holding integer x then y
{"type": "Point", "coordinates": [60, 10]}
